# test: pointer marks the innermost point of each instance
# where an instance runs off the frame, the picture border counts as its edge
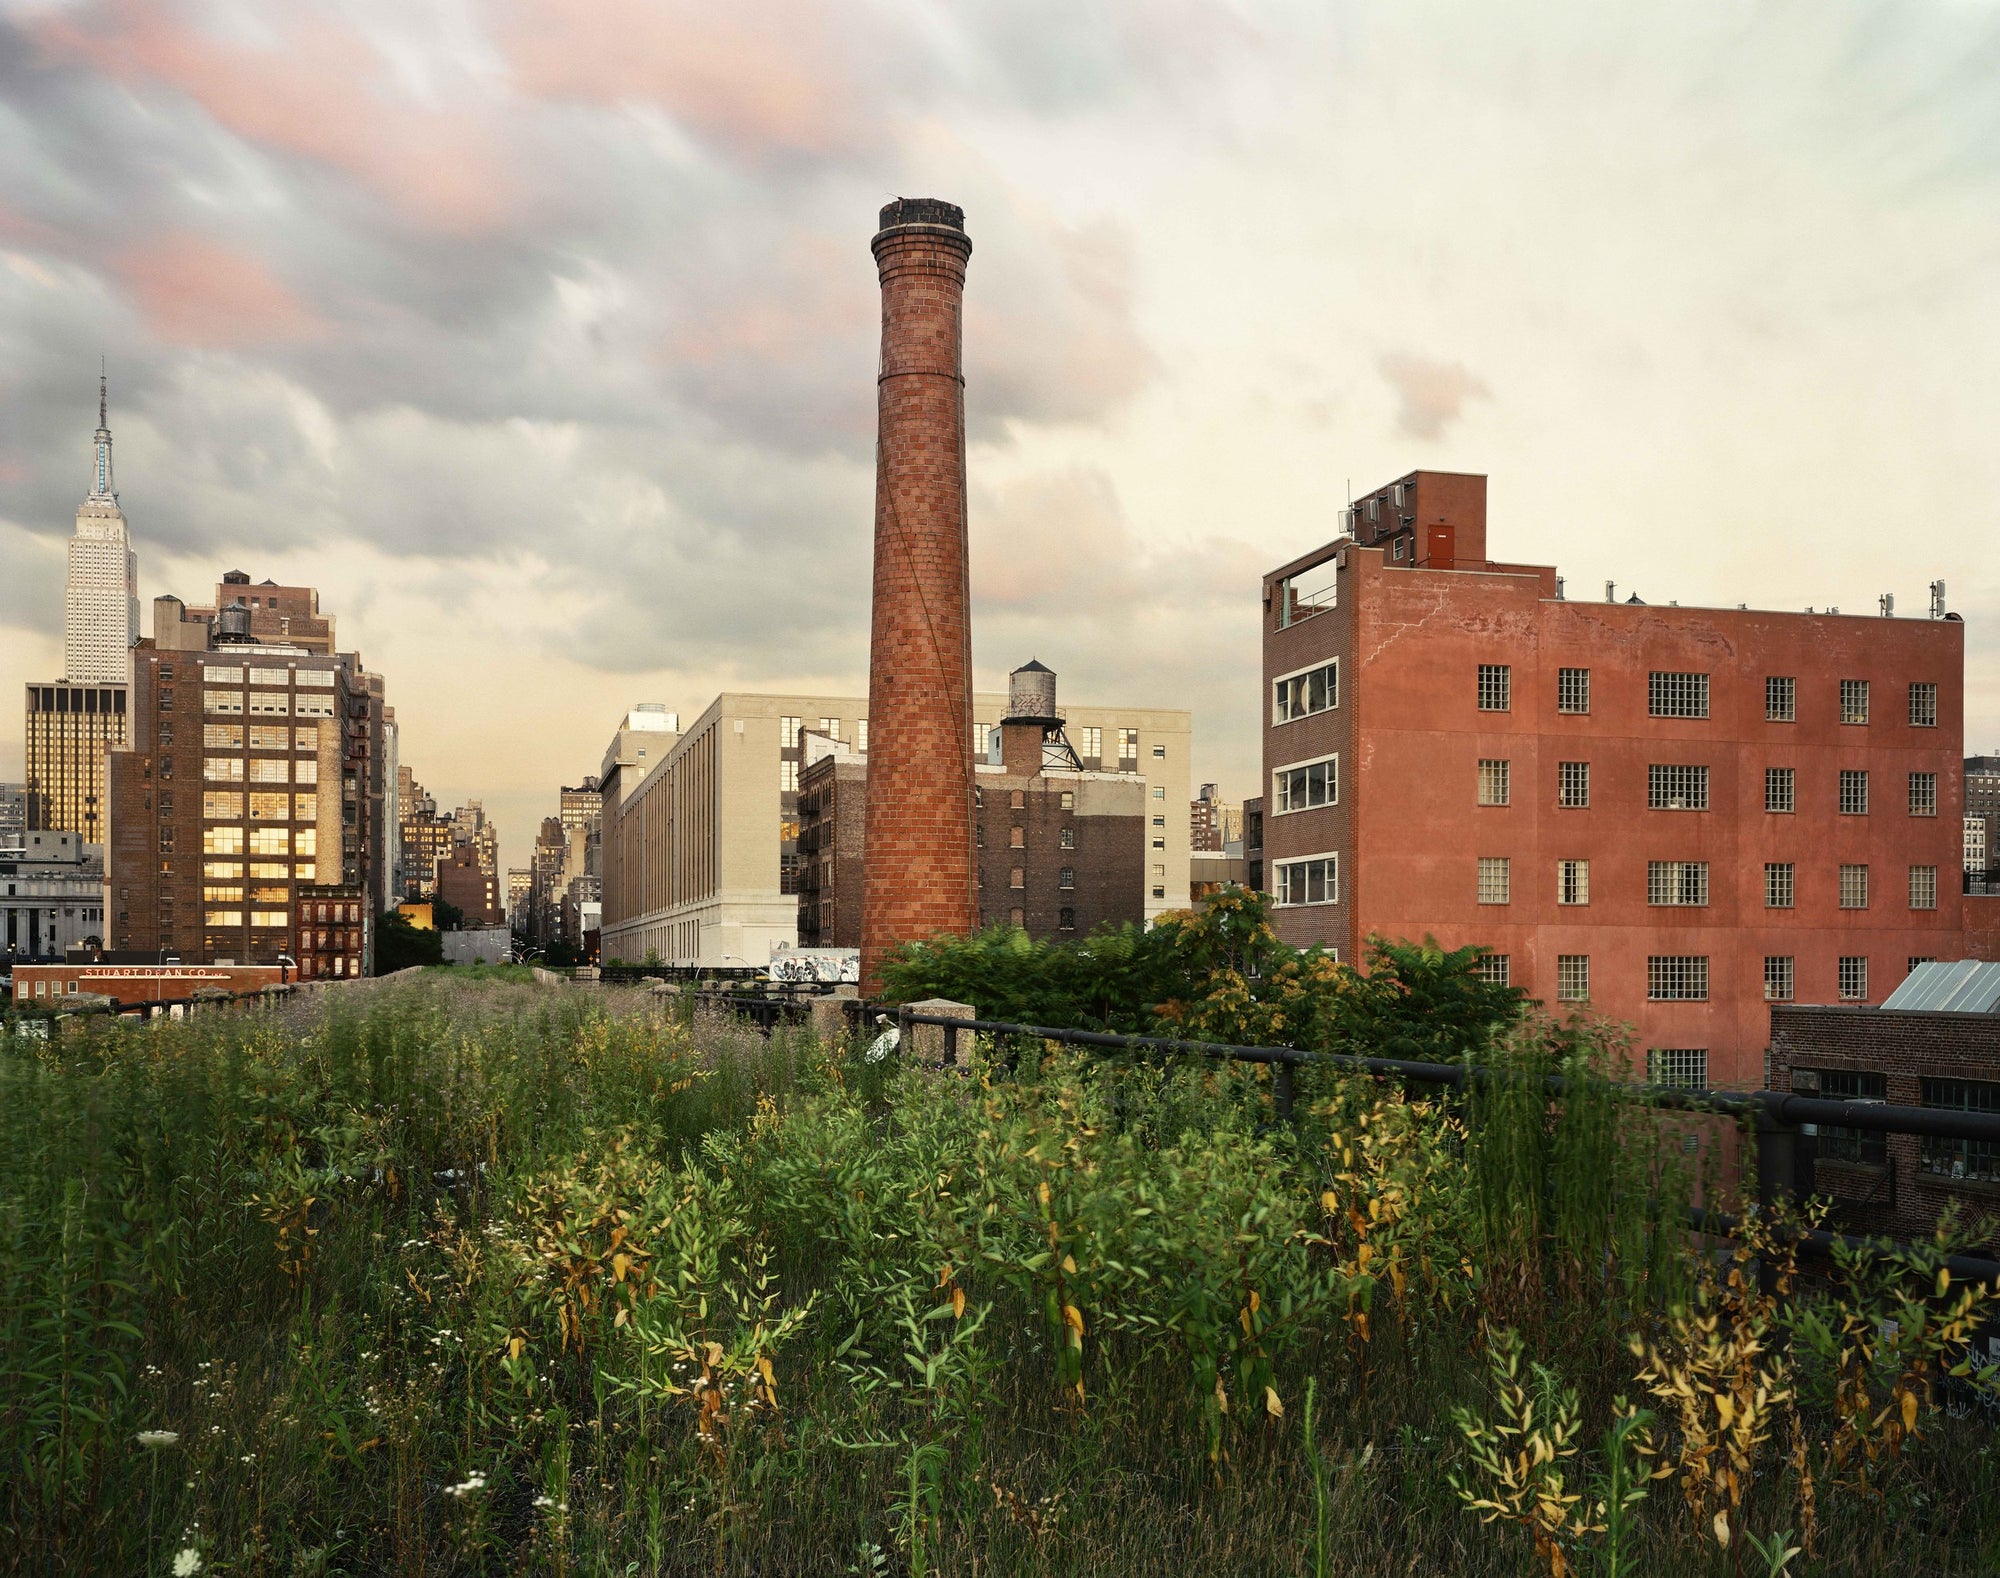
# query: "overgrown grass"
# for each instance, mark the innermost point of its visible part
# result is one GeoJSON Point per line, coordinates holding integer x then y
{"type": "Point", "coordinates": [456, 1275]}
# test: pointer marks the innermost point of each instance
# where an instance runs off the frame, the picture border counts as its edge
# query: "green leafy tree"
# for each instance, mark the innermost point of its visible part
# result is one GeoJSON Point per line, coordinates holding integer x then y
{"type": "Point", "coordinates": [398, 944]}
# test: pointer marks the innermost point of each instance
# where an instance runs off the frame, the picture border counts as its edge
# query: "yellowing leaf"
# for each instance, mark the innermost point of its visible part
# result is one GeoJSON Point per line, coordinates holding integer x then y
{"type": "Point", "coordinates": [515, 1345]}
{"type": "Point", "coordinates": [1073, 1318]}
{"type": "Point", "coordinates": [1722, 1528]}
{"type": "Point", "coordinates": [1272, 1406]}
{"type": "Point", "coordinates": [1909, 1410]}
{"type": "Point", "coordinates": [957, 1303]}
{"type": "Point", "coordinates": [620, 1264]}
{"type": "Point", "coordinates": [1256, 1300]}
{"type": "Point", "coordinates": [1725, 1405]}
{"type": "Point", "coordinates": [1221, 1397]}
{"type": "Point", "coordinates": [1042, 1193]}
{"type": "Point", "coordinates": [1329, 1203]}
{"type": "Point", "coordinates": [770, 1379]}
{"type": "Point", "coordinates": [1069, 1265]}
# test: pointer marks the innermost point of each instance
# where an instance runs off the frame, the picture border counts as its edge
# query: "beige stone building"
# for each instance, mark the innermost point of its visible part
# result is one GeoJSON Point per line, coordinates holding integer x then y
{"type": "Point", "coordinates": [700, 842]}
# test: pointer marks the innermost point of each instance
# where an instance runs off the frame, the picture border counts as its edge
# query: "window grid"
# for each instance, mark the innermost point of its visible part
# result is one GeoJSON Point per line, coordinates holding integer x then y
{"type": "Point", "coordinates": [1494, 781]}
{"type": "Point", "coordinates": [1314, 880]}
{"type": "Point", "coordinates": [1677, 978]}
{"type": "Point", "coordinates": [1301, 695]}
{"type": "Point", "coordinates": [1672, 695]}
{"type": "Point", "coordinates": [1573, 785]}
{"type": "Point", "coordinates": [1974, 1159]}
{"type": "Point", "coordinates": [1780, 885]}
{"type": "Point", "coordinates": [1495, 879]}
{"type": "Point", "coordinates": [1923, 706]}
{"type": "Point", "coordinates": [1781, 699]}
{"type": "Point", "coordinates": [1496, 687]}
{"type": "Point", "coordinates": [1686, 1068]}
{"type": "Point", "coordinates": [1836, 1142]}
{"type": "Point", "coordinates": [1854, 701]}
{"type": "Point", "coordinates": [1572, 690]}
{"type": "Point", "coordinates": [1923, 794]}
{"type": "Point", "coordinates": [1572, 882]}
{"type": "Point", "coordinates": [1778, 973]}
{"type": "Point", "coordinates": [1923, 887]}
{"type": "Point", "coordinates": [1780, 789]}
{"type": "Point", "coordinates": [1495, 968]}
{"type": "Point", "coordinates": [1853, 978]}
{"type": "Point", "coordinates": [1854, 791]}
{"type": "Point", "coordinates": [1305, 785]}
{"type": "Point", "coordinates": [1572, 977]}
{"type": "Point", "coordinates": [1854, 887]}
{"type": "Point", "coordinates": [1671, 787]}
{"type": "Point", "coordinates": [1677, 883]}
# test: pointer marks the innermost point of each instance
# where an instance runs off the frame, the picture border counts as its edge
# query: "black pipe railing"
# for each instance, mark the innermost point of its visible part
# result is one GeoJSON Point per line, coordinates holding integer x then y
{"type": "Point", "coordinates": [1784, 1167]}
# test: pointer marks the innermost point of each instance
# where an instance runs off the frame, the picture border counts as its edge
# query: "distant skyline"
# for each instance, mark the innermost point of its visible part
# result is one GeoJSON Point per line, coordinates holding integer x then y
{"type": "Point", "coordinates": [540, 337]}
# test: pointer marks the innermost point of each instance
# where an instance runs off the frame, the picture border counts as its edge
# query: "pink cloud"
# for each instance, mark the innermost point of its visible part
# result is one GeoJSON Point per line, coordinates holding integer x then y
{"type": "Point", "coordinates": [317, 91]}
{"type": "Point", "coordinates": [1433, 394]}
{"type": "Point", "coordinates": [195, 292]}
{"type": "Point", "coordinates": [760, 83]}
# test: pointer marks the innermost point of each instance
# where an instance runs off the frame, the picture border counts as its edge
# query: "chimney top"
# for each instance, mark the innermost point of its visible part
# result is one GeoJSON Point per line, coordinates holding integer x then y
{"type": "Point", "coordinates": [922, 211]}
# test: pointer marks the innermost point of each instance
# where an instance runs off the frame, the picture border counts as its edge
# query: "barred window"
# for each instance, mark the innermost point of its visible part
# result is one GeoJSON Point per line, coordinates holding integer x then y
{"type": "Point", "coordinates": [1854, 791]}
{"type": "Point", "coordinates": [1495, 879]}
{"type": "Point", "coordinates": [1066, 919]}
{"type": "Point", "coordinates": [1975, 1159]}
{"type": "Point", "coordinates": [1854, 887]}
{"type": "Point", "coordinates": [1677, 978]}
{"type": "Point", "coordinates": [1572, 977]}
{"type": "Point", "coordinates": [1068, 838]}
{"type": "Point", "coordinates": [1916, 960]}
{"type": "Point", "coordinates": [789, 729]}
{"type": "Point", "coordinates": [1677, 695]}
{"type": "Point", "coordinates": [1305, 785]}
{"type": "Point", "coordinates": [1780, 888]}
{"type": "Point", "coordinates": [1090, 743]}
{"type": "Point", "coordinates": [1128, 747]}
{"type": "Point", "coordinates": [1496, 687]}
{"type": "Point", "coordinates": [1067, 877]}
{"type": "Point", "coordinates": [1778, 971]}
{"type": "Point", "coordinates": [1493, 781]}
{"type": "Point", "coordinates": [1854, 701]}
{"type": "Point", "coordinates": [1923, 706]}
{"type": "Point", "coordinates": [1686, 1068]}
{"type": "Point", "coordinates": [1923, 887]}
{"type": "Point", "coordinates": [1572, 690]}
{"type": "Point", "coordinates": [1493, 967]}
{"type": "Point", "coordinates": [1677, 882]}
{"type": "Point", "coordinates": [1670, 787]}
{"type": "Point", "coordinates": [1835, 1142]}
{"type": "Point", "coordinates": [1315, 880]}
{"type": "Point", "coordinates": [1781, 699]}
{"type": "Point", "coordinates": [1923, 794]}
{"type": "Point", "coordinates": [1780, 788]}
{"type": "Point", "coordinates": [1301, 695]}
{"type": "Point", "coordinates": [1853, 979]}
{"type": "Point", "coordinates": [788, 776]}
{"type": "Point", "coordinates": [1572, 882]}
{"type": "Point", "coordinates": [1573, 785]}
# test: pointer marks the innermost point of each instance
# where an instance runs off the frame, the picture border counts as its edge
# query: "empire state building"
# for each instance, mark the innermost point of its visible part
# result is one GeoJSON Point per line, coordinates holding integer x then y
{"type": "Point", "coordinates": [72, 722]}
{"type": "Point", "coordinates": [101, 603]}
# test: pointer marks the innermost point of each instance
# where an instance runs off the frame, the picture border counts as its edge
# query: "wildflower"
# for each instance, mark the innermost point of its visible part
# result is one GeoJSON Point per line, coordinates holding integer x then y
{"type": "Point", "coordinates": [158, 1438]}
{"type": "Point", "coordinates": [187, 1563]}
{"type": "Point", "coordinates": [471, 1485]}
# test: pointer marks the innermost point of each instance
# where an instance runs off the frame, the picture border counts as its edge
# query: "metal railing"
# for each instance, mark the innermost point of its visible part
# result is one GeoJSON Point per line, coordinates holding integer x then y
{"type": "Point", "coordinates": [1784, 1165]}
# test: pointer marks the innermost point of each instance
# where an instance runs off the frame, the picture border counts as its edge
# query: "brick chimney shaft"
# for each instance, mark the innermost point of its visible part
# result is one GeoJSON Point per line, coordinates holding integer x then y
{"type": "Point", "coordinates": [919, 874]}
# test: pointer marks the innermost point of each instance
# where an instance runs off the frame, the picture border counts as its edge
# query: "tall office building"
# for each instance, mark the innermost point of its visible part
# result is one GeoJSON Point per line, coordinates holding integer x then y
{"type": "Point", "coordinates": [101, 599]}
{"type": "Point", "coordinates": [73, 721]}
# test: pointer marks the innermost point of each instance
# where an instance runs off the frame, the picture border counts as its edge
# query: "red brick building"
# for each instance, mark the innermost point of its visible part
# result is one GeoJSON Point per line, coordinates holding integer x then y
{"type": "Point", "coordinates": [919, 880]}
{"type": "Point", "coordinates": [465, 884]}
{"type": "Point", "coordinates": [140, 983]}
{"type": "Point", "coordinates": [1673, 815]}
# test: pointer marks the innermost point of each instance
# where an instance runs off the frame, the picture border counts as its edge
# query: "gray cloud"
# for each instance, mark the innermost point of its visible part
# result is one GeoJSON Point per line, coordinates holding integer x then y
{"type": "Point", "coordinates": [1432, 394]}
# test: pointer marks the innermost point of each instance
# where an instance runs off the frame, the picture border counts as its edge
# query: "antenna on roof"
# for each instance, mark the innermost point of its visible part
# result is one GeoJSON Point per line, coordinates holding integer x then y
{"type": "Point", "coordinates": [1887, 602]}
{"type": "Point", "coordinates": [1611, 591]}
{"type": "Point", "coordinates": [1937, 599]}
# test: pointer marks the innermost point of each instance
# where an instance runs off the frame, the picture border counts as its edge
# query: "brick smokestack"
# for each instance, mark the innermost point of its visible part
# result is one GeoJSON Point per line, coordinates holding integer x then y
{"type": "Point", "coordinates": [919, 875]}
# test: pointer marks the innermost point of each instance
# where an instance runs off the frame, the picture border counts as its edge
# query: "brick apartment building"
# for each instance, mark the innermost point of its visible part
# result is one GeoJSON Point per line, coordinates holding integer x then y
{"type": "Point", "coordinates": [254, 776]}
{"type": "Point", "coordinates": [465, 884]}
{"type": "Point", "coordinates": [1676, 816]}
{"type": "Point", "coordinates": [832, 819]}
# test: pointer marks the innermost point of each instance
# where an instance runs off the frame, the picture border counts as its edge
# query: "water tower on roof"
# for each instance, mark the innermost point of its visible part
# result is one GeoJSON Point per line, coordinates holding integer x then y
{"type": "Point", "coordinates": [1031, 704]}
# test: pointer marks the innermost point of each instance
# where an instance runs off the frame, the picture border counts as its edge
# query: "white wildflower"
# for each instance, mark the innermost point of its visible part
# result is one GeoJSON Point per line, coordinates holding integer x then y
{"type": "Point", "coordinates": [158, 1438]}
{"type": "Point", "coordinates": [187, 1563]}
{"type": "Point", "coordinates": [471, 1485]}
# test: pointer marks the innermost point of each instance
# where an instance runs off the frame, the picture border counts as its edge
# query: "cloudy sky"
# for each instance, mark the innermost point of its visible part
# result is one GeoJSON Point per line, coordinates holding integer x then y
{"type": "Point", "coordinates": [540, 334]}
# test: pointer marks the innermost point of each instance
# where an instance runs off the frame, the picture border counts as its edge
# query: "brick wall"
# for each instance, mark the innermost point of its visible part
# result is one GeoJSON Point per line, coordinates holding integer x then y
{"type": "Point", "coordinates": [919, 879]}
{"type": "Point", "coordinates": [1897, 1196]}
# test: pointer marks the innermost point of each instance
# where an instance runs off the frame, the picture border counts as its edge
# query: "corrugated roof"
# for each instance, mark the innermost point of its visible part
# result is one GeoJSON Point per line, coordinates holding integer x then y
{"type": "Point", "coordinates": [1950, 986]}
